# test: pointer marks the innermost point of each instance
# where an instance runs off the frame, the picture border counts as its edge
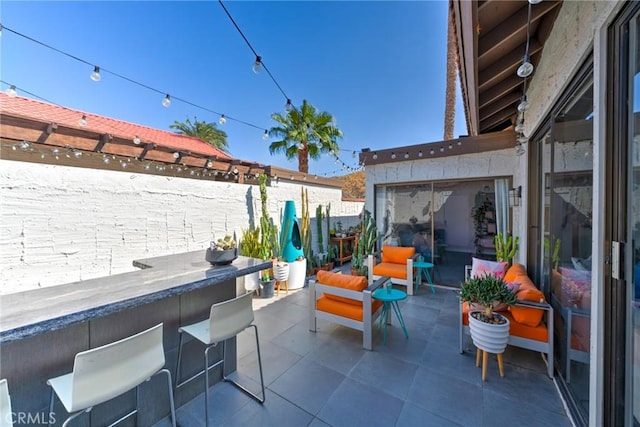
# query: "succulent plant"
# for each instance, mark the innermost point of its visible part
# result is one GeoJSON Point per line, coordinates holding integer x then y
{"type": "Point", "coordinates": [228, 242]}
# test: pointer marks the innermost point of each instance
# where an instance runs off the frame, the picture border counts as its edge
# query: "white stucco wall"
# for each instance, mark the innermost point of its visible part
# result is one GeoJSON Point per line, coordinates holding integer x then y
{"type": "Point", "coordinates": [61, 224]}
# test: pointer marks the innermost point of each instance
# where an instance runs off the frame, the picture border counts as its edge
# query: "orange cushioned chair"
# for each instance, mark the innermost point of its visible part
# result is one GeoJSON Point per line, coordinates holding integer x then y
{"type": "Point", "coordinates": [346, 300]}
{"type": "Point", "coordinates": [530, 320]}
{"type": "Point", "coordinates": [396, 263]}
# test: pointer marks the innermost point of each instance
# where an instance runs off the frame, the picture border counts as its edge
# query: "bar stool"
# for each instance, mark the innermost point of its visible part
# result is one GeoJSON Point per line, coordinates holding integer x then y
{"type": "Point", "coordinates": [226, 320]}
{"type": "Point", "coordinates": [6, 417]}
{"type": "Point", "coordinates": [103, 373]}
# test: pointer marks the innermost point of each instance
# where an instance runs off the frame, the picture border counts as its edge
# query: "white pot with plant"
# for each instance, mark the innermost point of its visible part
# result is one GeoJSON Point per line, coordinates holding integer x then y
{"type": "Point", "coordinates": [489, 330]}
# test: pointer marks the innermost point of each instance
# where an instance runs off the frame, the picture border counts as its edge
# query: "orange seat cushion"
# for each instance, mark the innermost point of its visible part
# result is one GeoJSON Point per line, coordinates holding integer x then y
{"type": "Point", "coordinates": [397, 254]}
{"type": "Point", "coordinates": [344, 281]}
{"type": "Point", "coordinates": [344, 309]}
{"type": "Point", "coordinates": [398, 271]}
{"type": "Point", "coordinates": [537, 333]}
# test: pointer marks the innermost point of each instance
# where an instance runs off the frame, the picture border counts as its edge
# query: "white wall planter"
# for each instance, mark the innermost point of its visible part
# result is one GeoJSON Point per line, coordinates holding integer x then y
{"type": "Point", "coordinates": [297, 274]}
{"type": "Point", "coordinates": [489, 337]}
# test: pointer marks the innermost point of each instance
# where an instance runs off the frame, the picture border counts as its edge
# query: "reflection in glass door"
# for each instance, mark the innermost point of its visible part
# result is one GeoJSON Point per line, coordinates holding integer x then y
{"type": "Point", "coordinates": [568, 237]}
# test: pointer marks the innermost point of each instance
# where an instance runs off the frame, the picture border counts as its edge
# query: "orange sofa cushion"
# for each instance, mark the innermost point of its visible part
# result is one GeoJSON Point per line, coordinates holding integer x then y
{"type": "Point", "coordinates": [344, 309]}
{"type": "Point", "coordinates": [397, 254]}
{"type": "Point", "coordinates": [538, 332]}
{"type": "Point", "coordinates": [398, 271]}
{"type": "Point", "coordinates": [344, 281]}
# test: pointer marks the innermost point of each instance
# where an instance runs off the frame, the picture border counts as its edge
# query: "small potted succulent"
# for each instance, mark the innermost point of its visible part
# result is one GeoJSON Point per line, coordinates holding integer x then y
{"type": "Point", "coordinates": [223, 251]}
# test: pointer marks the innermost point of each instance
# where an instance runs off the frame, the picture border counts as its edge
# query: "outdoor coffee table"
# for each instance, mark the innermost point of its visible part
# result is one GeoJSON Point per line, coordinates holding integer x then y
{"type": "Point", "coordinates": [390, 298]}
{"type": "Point", "coordinates": [423, 269]}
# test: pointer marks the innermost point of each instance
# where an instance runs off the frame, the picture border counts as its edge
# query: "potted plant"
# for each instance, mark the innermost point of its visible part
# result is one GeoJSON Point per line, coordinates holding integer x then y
{"type": "Point", "coordinates": [250, 247]}
{"type": "Point", "coordinates": [267, 284]}
{"type": "Point", "coordinates": [223, 251]}
{"type": "Point", "coordinates": [366, 244]}
{"type": "Point", "coordinates": [489, 330]}
{"type": "Point", "coordinates": [506, 248]}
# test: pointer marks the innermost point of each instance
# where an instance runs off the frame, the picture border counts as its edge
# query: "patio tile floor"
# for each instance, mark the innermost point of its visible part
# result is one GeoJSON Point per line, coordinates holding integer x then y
{"type": "Point", "coordinates": [327, 379]}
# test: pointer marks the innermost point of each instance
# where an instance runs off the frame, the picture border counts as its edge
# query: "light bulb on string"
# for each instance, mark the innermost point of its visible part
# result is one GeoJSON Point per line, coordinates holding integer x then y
{"type": "Point", "coordinates": [83, 120]}
{"type": "Point", "coordinates": [524, 105]}
{"type": "Point", "coordinates": [166, 101]}
{"type": "Point", "coordinates": [222, 120]}
{"type": "Point", "coordinates": [535, 1]}
{"type": "Point", "coordinates": [288, 106]}
{"type": "Point", "coordinates": [95, 76]}
{"type": "Point", "coordinates": [519, 128]}
{"type": "Point", "coordinates": [519, 149]}
{"type": "Point", "coordinates": [523, 139]}
{"type": "Point", "coordinates": [420, 153]}
{"type": "Point", "coordinates": [136, 140]}
{"type": "Point", "coordinates": [265, 135]}
{"type": "Point", "coordinates": [300, 146]}
{"type": "Point", "coordinates": [526, 68]}
{"type": "Point", "coordinates": [11, 91]}
{"type": "Point", "coordinates": [257, 66]}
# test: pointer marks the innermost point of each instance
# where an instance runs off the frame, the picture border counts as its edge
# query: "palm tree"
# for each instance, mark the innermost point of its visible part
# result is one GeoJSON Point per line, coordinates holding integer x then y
{"type": "Point", "coordinates": [203, 130]}
{"type": "Point", "coordinates": [452, 69]}
{"type": "Point", "coordinates": [304, 133]}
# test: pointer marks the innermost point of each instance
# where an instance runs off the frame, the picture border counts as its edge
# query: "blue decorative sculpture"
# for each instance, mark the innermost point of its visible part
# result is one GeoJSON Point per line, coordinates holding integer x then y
{"type": "Point", "coordinates": [292, 247]}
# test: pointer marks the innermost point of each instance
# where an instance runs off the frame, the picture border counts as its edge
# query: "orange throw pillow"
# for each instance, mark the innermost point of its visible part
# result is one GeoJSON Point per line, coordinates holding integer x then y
{"type": "Point", "coordinates": [528, 315]}
{"type": "Point", "coordinates": [345, 281]}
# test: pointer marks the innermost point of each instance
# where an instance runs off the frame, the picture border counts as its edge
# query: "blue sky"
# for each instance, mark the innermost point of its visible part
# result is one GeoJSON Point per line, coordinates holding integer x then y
{"type": "Point", "coordinates": [378, 67]}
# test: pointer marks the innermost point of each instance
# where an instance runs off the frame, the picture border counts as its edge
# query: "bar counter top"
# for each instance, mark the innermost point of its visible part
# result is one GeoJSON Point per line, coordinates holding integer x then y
{"type": "Point", "coordinates": [33, 312]}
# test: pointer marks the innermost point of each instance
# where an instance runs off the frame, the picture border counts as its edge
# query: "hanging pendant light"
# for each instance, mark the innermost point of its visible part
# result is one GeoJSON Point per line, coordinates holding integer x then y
{"type": "Point", "coordinates": [166, 101]}
{"type": "Point", "coordinates": [265, 135]}
{"type": "Point", "coordinates": [524, 105]}
{"type": "Point", "coordinates": [288, 106]}
{"type": "Point", "coordinates": [83, 120]}
{"type": "Point", "coordinates": [222, 120]}
{"type": "Point", "coordinates": [519, 149]}
{"type": "Point", "coordinates": [526, 68]}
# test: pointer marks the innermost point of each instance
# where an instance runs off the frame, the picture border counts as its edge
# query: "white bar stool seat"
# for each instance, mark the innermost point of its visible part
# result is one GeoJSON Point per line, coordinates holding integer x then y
{"type": "Point", "coordinates": [103, 373]}
{"type": "Point", "coordinates": [226, 320]}
{"type": "Point", "coordinates": [6, 417]}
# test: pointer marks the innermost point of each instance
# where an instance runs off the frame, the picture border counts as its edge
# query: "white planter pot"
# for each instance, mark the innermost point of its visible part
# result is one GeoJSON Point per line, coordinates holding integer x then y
{"type": "Point", "coordinates": [251, 282]}
{"type": "Point", "coordinates": [281, 271]}
{"type": "Point", "coordinates": [489, 337]}
{"type": "Point", "coordinates": [297, 274]}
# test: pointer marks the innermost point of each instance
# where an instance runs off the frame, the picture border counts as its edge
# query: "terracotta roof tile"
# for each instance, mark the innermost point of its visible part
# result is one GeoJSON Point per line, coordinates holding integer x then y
{"type": "Point", "coordinates": [38, 110]}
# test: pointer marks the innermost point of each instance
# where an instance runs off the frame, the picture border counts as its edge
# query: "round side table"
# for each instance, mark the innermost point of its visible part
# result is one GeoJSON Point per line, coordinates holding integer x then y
{"type": "Point", "coordinates": [390, 298]}
{"type": "Point", "coordinates": [423, 268]}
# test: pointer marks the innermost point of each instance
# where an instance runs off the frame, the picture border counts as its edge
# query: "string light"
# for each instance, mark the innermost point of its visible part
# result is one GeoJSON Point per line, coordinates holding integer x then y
{"type": "Point", "coordinates": [136, 140]}
{"type": "Point", "coordinates": [83, 120]}
{"type": "Point", "coordinates": [166, 101]}
{"type": "Point", "coordinates": [257, 66]}
{"type": "Point", "coordinates": [265, 135]}
{"type": "Point", "coordinates": [95, 76]}
{"type": "Point", "coordinates": [11, 91]}
{"type": "Point", "coordinates": [406, 155]}
{"type": "Point", "coordinates": [526, 68]}
{"type": "Point", "coordinates": [288, 106]}
{"type": "Point", "coordinates": [420, 153]}
{"type": "Point", "coordinates": [222, 120]}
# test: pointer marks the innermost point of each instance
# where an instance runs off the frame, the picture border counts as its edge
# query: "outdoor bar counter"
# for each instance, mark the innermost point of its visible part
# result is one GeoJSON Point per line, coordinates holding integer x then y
{"type": "Point", "coordinates": [41, 330]}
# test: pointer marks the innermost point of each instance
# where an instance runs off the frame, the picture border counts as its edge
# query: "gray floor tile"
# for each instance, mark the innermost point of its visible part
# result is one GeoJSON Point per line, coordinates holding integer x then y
{"type": "Point", "coordinates": [500, 410]}
{"type": "Point", "coordinates": [338, 354]}
{"type": "Point", "coordinates": [308, 385]}
{"type": "Point", "coordinates": [358, 404]}
{"type": "Point", "coordinates": [450, 398]}
{"type": "Point", "coordinates": [299, 339]}
{"type": "Point", "coordinates": [275, 361]}
{"type": "Point", "coordinates": [275, 411]}
{"type": "Point", "coordinates": [388, 374]}
{"type": "Point", "coordinates": [413, 415]}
